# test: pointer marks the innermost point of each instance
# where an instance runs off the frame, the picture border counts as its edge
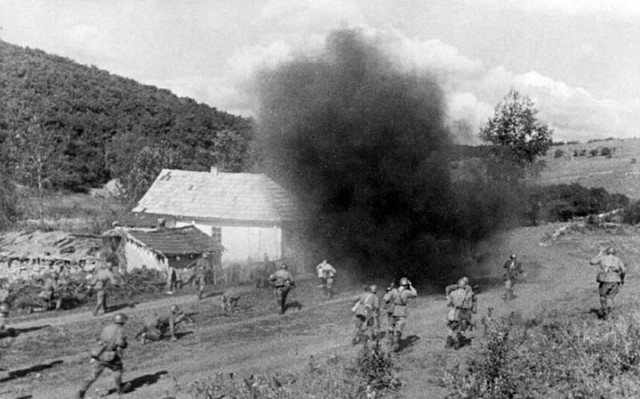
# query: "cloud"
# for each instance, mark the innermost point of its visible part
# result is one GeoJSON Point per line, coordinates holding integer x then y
{"type": "Point", "coordinates": [618, 8]}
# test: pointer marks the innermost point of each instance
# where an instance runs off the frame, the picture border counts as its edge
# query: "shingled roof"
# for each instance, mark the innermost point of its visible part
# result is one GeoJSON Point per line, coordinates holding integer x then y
{"type": "Point", "coordinates": [177, 241]}
{"type": "Point", "coordinates": [218, 196]}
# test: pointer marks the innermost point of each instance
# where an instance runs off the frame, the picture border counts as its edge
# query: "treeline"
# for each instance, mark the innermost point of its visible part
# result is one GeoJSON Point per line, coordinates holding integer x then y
{"type": "Point", "coordinates": [65, 125]}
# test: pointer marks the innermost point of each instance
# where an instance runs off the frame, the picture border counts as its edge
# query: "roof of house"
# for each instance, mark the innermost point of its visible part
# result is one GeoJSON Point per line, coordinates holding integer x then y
{"type": "Point", "coordinates": [221, 196]}
{"type": "Point", "coordinates": [175, 241]}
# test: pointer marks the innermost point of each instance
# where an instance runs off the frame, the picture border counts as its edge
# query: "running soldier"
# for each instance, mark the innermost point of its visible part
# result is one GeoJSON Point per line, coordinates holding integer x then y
{"type": "Point", "coordinates": [367, 311]}
{"type": "Point", "coordinates": [610, 278]}
{"type": "Point", "coordinates": [108, 355]}
{"type": "Point", "coordinates": [283, 282]}
{"type": "Point", "coordinates": [202, 265]}
{"type": "Point", "coordinates": [326, 274]}
{"type": "Point", "coordinates": [462, 301]}
{"type": "Point", "coordinates": [400, 298]}
{"type": "Point", "coordinates": [102, 278]}
{"type": "Point", "coordinates": [155, 327]}
{"type": "Point", "coordinates": [512, 270]}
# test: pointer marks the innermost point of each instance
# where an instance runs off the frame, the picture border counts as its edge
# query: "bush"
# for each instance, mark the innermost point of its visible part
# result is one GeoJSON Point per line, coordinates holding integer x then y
{"type": "Point", "coordinates": [558, 153]}
{"type": "Point", "coordinates": [562, 202]}
{"type": "Point", "coordinates": [607, 152]}
{"type": "Point", "coordinates": [372, 373]}
{"type": "Point", "coordinates": [568, 357]}
{"type": "Point", "coordinates": [631, 213]}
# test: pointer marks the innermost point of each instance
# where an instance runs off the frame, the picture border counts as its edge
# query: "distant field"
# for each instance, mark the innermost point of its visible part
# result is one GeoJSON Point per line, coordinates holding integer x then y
{"type": "Point", "coordinates": [617, 174]}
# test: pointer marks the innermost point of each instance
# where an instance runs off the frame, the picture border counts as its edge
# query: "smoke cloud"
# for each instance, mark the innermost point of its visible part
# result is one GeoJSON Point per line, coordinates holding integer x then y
{"type": "Point", "coordinates": [366, 148]}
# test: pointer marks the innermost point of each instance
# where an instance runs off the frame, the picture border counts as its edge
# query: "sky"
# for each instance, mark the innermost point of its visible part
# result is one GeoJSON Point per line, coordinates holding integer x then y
{"type": "Point", "coordinates": [578, 60]}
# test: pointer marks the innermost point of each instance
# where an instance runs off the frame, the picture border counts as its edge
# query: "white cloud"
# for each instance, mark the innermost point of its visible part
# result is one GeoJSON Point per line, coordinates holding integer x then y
{"type": "Point", "coordinates": [614, 8]}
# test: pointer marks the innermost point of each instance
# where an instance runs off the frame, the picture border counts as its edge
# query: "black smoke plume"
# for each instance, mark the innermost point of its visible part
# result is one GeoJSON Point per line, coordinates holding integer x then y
{"type": "Point", "coordinates": [366, 149]}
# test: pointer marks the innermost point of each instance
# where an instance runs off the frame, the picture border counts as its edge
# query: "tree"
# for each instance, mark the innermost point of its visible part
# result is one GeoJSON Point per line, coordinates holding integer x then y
{"type": "Point", "coordinates": [514, 130]}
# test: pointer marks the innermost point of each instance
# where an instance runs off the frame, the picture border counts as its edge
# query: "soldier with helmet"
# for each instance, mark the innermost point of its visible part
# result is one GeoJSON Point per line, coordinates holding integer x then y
{"type": "Point", "coordinates": [202, 265]}
{"type": "Point", "coordinates": [108, 355]}
{"type": "Point", "coordinates": [101, 279]}
{"type": "Point", "coordinates": [326, 274]}
{"type": "Point", "coordinates": [366, 310]}
{"type": "Point", "coordinates": [282, 281]}
{"type": "Point", "coordinates": [512, 270]}
{"type": "Point", "coordinates": [49, 297]}
{"type": "Point", "coordinates": [155, 326]}
{"type": "Point", "coordinates": [400, 298]}
{"type": "Point", "coordinates": [462, 301]}
{"type": "Point", "coordinates": [610, 278]}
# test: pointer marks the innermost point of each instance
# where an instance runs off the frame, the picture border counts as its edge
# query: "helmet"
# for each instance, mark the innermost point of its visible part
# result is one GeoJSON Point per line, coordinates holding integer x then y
{"type": "Point", "coordinates": [611, 251]}
{"type": "Point", "coordinates": [373, 288]}
{"type": "Point", "coordinates": [512, 256]}
{"type": "Point", "coordinates": [463, 281]}
{"type": "Point", "coordinates": [120, 318]}
{"type": "Point", "coordinates": [284, 266]}
{"type": "Point", "coordinates": [404, 281]}
{"type": "Point", "coordinates": [174, 309]}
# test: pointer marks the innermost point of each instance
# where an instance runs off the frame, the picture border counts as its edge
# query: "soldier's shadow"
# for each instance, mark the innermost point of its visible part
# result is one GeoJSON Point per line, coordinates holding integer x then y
{"type": "Point", "coordinates": [143, 380]}
{"type": "Point", "coordinates": [407, 342]}
{"type": "Point", "coordinates": [181, 334]}
{"type": "Point", "coordinates": [26, 371]}
{"type": "Point", "coordinates": [120, 306]}
{"type": "Point", "coordinates": [293, 305]}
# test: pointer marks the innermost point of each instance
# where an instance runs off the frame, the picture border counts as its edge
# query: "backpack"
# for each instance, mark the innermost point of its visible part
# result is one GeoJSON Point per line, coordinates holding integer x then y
{"type": "Point", "coordinates": [461, 298]}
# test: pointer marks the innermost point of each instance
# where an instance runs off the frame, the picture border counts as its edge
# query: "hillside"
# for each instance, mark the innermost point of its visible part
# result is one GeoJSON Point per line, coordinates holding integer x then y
{"type": "Point", "coordinates": [79, 126]}
{"type": "Point", "coordinates": [618, 174]}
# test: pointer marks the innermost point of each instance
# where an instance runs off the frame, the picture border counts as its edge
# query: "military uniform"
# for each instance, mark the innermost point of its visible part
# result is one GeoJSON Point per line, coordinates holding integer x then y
{"type": "Point", "coordinates": [387, 309]}
{"type": "Point", "coordinates": [49, 294]}
{"type": "Point", "coordinates": [155, 326]}
{"type": "Point", "coordinates": [610, 278]}
{"type": "Point", "coordinates": [400, 297]}
{"type": "Point", "coordinates": [512, 270]}
{"type": "Point", "coordinates": [462, 301]}
{"type": "Point", "coordinates": [326, 274]}
{"type": "Point", "coordinates": [108, 355]}
{"type": "Point", "coordinates": [202, 266]}
{"type": "Point", "coordinates": [282, 281]}
{"type": "Point", "coordinates": [99, 283]}
{"type": "Point", "coordinates": [366, 311]}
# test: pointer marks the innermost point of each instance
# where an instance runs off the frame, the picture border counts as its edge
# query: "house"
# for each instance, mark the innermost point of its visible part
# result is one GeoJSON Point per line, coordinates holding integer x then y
{"type": "Point", "coordinates": [161, 248]}
{"type": "Point", "coordinates": [250, 215]}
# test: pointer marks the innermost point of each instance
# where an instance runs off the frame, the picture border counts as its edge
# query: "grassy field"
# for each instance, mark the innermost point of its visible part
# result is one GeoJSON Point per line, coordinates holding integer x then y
{"type": "Point", "coordinates": [617, 174]}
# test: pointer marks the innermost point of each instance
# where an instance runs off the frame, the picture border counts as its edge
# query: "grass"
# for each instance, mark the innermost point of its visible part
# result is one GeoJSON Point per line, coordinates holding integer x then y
{"type": "Point", "coordinates": [553, 355]}
{"type": "Point", "coordinates": [371, 373]}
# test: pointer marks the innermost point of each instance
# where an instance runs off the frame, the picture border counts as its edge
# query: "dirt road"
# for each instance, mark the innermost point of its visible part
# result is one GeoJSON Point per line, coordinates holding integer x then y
{"type": "Point", "coordinates": [50, 362]}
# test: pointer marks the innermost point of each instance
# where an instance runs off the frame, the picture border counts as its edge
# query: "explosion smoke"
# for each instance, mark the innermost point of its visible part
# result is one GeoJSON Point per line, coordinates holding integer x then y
{"type": "Point", "coordinates": [366, 149]}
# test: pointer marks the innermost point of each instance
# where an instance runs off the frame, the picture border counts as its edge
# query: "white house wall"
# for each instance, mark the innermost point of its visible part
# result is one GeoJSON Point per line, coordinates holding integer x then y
{"type": "Point", "coordinates": [250, 244]}
{"type": "Point", "coordinates": [138, 256]}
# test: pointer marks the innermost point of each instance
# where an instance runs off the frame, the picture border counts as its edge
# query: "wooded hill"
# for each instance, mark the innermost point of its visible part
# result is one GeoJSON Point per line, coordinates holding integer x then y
{"type": "Point", "coordinates": [66, 125]}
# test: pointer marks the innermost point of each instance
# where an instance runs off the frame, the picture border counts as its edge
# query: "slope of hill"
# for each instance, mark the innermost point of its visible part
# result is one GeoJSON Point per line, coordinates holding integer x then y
{"type": "Point", "coordinates": [85, 124]}
{"type": "Point", "coordinates": [618, 174]}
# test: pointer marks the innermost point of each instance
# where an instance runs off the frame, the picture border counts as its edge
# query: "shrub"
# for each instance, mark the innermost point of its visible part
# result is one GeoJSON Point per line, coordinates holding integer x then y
{"type": "Point", "coordinates": [633, 160]}
{"type": "Point", "coordinates": [558, 153]}
{"type": "Point", "coordinates": [631, 213]}
{"type": "Point", "coordinates": [558, 356]}
{"type": "Point", "coordinates": [371, 374]}
{"type": "Point", "coordinates": [606, 152]}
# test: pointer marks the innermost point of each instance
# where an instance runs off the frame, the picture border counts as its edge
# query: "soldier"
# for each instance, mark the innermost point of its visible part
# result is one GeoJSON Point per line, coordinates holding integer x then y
{"type": "Point", "coordinates": [400, 298]}
{"type": "Point", "coordinates": [326, 274]}
{"type": "Point", "coordinates": [366, 310]}
{"type": "Point", "coordinates": [610, 278]}
{"type": "Point", "coordinates": [108, 355]}
{"type": "Point", "coordinates": [49, 298]}
{"type": "Point", "coordinates": [512, 270]}
{"type": "Point", "coordinates": [172, 280]}
{"type": "Point", "coordinates": [202, 265]}
{"type": "Point", "coordinates": [155, 327]}
{"type": "Point", "coordinates": [387, 308]}
{"type": "Point", "coordinates": [283, 282]}
{"type": "Point", "coordinates": [462, 301]}
{"type": "Point", "coordinates": [99, 283]}
{"type": "Point", "coordinates": [230, 299]}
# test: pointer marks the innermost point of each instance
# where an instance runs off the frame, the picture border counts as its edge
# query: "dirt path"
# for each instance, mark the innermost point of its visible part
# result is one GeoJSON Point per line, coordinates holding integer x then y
{"type": "Point", "coordinates": [255, 342]}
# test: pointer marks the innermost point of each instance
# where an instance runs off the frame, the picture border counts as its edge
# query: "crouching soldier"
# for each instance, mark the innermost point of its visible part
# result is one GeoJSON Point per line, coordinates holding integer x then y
{"type": "Point", "coordinates": [282, 282]}
{"type": "Point", "coordinates": [49, 298]}
{"type": "Point", "coordinates": [400, 297]}
{"type": "Point", "coordinates": [610, 278]}
{"type": "Point", "coordinates": [108, 355]}
{"type": "Point", "coordinates": [155, 327]}
{"type": "Point", "coordinates": [462, 301]}
{"type": "Point", "coordinates": [366, 310]}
